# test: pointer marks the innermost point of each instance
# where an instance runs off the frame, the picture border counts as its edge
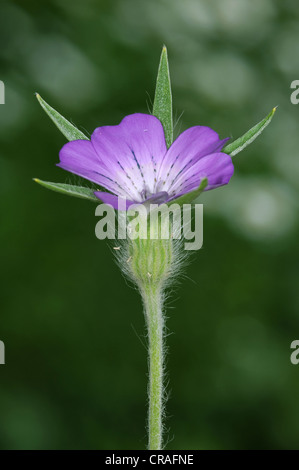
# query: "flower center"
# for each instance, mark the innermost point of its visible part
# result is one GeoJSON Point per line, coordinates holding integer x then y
{"type": "Point", "coordinates": [156, 198]}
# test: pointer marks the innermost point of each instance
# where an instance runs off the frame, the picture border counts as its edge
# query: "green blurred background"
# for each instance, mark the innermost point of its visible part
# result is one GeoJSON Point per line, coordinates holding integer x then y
{"type": "Point", "coordinates": [76, 371]}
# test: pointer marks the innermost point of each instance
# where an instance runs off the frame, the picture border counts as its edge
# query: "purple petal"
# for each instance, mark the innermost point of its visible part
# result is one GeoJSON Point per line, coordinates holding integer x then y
{"type": "Point", "coordinates": [80, 158]}
{"type": "Point", "coordinates": [158, 198]}
{"type": "Point", "coordinates": [132, 151]}
{"type": "Point", "coordinates": [122, 158]}
{"type": "Point", "coordinates": [187, 149]}
{"type": "Point", "coordinates": [113, 200]}
{"type": "Point", "coordinates": [217, 167]}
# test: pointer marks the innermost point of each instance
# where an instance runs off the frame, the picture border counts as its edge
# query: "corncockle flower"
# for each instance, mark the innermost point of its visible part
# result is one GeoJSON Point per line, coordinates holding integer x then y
{"type": "Point", "coordinates": [138, 161]}
{"type": "Point", "coordinates": [131, 160]}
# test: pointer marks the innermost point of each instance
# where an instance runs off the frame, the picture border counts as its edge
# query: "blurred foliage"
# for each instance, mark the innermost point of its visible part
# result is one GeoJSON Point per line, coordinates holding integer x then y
{"type": "Point", "coordinates": [76, 371]}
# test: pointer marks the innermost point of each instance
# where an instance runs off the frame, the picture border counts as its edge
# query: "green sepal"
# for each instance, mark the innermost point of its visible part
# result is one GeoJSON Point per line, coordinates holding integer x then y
{"type": "Point", "coordinates": [246, 139]}
{"type": "Point", "coordinates": [68, 130]}
{"type": "Point", "coordinates": [70, 190]}
{"type": "Point", "coordinates": [162, 108]}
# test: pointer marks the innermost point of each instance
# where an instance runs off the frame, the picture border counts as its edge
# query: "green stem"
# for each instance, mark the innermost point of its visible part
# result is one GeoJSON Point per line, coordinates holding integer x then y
{"type": "Point", "coordinates": [152, 298]}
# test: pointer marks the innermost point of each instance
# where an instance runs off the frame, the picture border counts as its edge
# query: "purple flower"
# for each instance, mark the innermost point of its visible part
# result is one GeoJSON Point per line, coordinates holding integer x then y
{"type": "Point", "coordinates": [131, 160]}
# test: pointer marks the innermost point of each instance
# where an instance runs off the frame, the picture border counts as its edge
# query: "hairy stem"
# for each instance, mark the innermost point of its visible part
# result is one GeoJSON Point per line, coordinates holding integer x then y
{"type": "Point", "coordinates": [152, 299]}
